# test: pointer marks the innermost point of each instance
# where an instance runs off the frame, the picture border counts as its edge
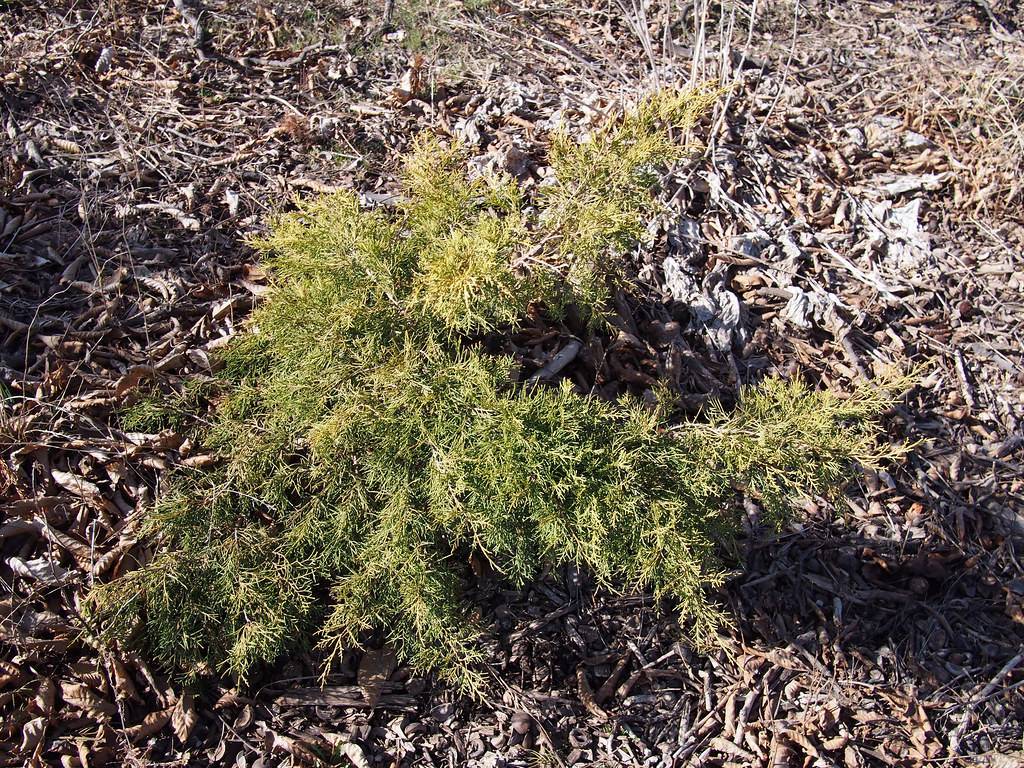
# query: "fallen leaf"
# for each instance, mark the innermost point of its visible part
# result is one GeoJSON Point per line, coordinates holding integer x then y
{"type": "Point", "coordinates": [75, 484]}
{"type": "Point", "coordinates": [375, 668]}
{"type": "Point", "coordinates": [150, 724]}
{"type": "Point", "coordinates": [298, 749]}
{"type": "Point", "coordinates": [184, 717]}
{"type": "Point", "coordinates": [46, 696]}
{"type": "Point", "coordinates": [124, 686]}
{"type": "Point", "coordinates": [135, 375]}
{"type": "Point", "coordinates": [587, 694]}
{"type": "Point", "coordinates": [87, 700]}
{"type": "Point", "coordinates": [354, 753]}
{"type": "Point", "coordinates": [32, 734]}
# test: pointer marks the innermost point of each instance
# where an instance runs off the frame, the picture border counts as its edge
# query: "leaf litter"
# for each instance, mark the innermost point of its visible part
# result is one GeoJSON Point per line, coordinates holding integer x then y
{"type": "Point", "coordinates": [852, 213]}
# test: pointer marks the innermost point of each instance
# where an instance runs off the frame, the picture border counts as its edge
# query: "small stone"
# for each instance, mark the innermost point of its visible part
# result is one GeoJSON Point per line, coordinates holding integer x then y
{"type": "Point", "coordinates": [521, 723]}
{"type": "Point", "coordinates": [442, 713]}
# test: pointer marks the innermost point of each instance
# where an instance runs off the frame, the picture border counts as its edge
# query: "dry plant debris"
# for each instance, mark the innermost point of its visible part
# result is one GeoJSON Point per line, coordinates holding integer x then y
{"type": "Point", "coordinates": [855, 210]}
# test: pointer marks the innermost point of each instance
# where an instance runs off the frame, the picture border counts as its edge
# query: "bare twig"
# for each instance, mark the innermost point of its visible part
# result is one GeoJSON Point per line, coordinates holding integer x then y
{"type": "Point", "coordinates": [993, 684]}
{"type": "Point", "coordinates": [555, 365]}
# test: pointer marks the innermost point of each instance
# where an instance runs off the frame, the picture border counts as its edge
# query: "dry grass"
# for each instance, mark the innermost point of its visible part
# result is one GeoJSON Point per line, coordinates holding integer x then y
{"type": "Point", "coordinates": [977, 115]}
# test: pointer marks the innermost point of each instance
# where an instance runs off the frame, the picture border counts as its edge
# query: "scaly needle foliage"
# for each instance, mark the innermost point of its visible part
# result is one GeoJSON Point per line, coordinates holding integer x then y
{"type": "Point", "coordinates": [367, 443]}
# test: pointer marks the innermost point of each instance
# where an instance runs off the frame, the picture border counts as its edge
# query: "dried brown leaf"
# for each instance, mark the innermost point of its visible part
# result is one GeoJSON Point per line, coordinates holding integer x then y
{"type": "Point", "coordinates": [150, 724]}
{"type": "Point", "coordinates": [375, 669]}
{"type": "Point", "coordinates": [32, 734]}
{"type": "Point", "coordinates": [124, 686]}
{"type": "Point", "coordinates": [354, 753]}
{"type": "Point", "coordinates": [46, 696]}
{"type": "Point", "coordinates": [184, 717]}
{"type": "Point", "coordinates": [301, 751]}
{"type": "Point", "coordinates": [587, 694]}
{"type": "Point", "coordinates": [87, 700]}
{"type": "Point", "coordinates": [75, 484]}
{"type": "Point", "coordinates": [131, 379]}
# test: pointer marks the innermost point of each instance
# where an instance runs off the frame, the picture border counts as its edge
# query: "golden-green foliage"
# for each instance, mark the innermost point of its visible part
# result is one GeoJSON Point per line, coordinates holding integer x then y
{"type": "Point", "coordinates": [600, 204]}
{"type": "Point", "coordinates": [465, 234]}
{"type": "Point", "coordinates": [368, 444]}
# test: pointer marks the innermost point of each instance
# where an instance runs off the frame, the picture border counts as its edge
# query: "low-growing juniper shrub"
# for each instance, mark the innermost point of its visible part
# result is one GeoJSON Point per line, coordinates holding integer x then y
{"type": "Point", "coordinates": [367, 441]}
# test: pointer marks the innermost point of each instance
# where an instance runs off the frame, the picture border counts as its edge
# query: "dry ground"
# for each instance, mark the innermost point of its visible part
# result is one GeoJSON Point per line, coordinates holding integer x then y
{"type": "Point", "coordinates": [857, 210]}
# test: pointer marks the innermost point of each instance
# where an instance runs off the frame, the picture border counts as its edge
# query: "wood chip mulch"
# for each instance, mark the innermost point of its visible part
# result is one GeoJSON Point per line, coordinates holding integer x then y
{"type": "Point", "coordinates": [857, 211]}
